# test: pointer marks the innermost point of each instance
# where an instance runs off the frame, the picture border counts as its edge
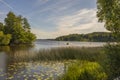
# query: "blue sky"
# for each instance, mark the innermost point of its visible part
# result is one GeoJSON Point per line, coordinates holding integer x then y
{"type": "Point", "coordinates": [52, 18]}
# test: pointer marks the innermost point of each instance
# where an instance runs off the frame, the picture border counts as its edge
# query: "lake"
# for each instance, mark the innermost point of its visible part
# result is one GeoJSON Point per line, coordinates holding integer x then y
{"type": "Point", "coordinates": [23, 63]}
{"type": "Point", "coordinates": [51, 44]}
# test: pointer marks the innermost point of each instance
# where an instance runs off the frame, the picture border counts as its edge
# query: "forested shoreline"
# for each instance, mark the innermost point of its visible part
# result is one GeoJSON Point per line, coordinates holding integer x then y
{"type": "Point", "coordinates": [94, 37]}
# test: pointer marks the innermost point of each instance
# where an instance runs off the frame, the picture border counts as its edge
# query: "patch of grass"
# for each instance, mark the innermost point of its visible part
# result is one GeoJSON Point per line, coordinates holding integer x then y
{"type": "Point", "coordinates": [58, 54]}
{"type": "Point", "coordinates": [84, 70]}
{"type": "Point", "coordinates": [68, 53]}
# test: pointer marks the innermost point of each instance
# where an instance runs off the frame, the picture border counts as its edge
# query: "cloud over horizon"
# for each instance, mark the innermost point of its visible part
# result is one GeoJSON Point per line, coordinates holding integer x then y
{"type": "Point", "coordinates": [52, 18]}
{"type": "Point", "coordinates": [83, 21]}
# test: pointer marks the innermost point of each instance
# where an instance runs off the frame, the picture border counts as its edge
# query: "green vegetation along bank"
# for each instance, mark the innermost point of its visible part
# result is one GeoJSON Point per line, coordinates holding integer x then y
{"type": "Point", "coordinates": [15, 30]}
{"type": "Point", "coordinates": [80, 63]}
{"type": "Point", "coordinates": [95, 37]}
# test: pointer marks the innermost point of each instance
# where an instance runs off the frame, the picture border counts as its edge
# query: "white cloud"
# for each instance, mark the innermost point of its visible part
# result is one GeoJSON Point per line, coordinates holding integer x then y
{"type": "Point", "coordinates": [41, 34]}
{"type": "Point", "coordinates": [83, 21]}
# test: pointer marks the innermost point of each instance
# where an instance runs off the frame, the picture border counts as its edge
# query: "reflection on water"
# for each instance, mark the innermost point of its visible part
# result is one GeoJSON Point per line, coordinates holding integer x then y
{"type": "Point", "coordinates": [22, 62]}
{"type": "Point", "coordinates": [52, 44]}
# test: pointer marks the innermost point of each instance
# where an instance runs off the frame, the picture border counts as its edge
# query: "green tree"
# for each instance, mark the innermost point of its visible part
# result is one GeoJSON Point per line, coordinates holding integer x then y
{"type": "Point", "coordinates": [109, 13]}
{"type": "Point", "coordinates": [1, 26]}
{"type": "Point", "coordinates": [4, 39]}
{"type": "Point", "coordinates": [26, 25]}
{"type": "Point", "coordinates": [19, 28]}
{"type": "Point", "coordinates": [10, 22]}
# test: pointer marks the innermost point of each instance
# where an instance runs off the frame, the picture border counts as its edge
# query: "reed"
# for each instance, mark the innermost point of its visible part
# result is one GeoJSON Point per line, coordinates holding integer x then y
{"type": "Point", "coordinates": [65, 53]}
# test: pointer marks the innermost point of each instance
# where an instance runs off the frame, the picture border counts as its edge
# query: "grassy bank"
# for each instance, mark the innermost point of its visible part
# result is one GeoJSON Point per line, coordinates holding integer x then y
{"type": "Point", "coordinates": [85, 70]}
{"type": "Point", "coordinates": [72, 53]}
{"type": "Point", "coordinates": [89, 62]}
{"type": "Point", "coordinates": [60, 54]}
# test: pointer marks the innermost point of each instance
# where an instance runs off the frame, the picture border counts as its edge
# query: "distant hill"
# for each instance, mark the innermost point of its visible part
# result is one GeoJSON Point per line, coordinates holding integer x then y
{"type": "Point", "coordinates": [94, 37]}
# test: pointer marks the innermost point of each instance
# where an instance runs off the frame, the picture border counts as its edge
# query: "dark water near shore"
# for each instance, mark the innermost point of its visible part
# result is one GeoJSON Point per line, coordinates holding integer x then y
{"type": "Point", "coordinates": [16, 62]}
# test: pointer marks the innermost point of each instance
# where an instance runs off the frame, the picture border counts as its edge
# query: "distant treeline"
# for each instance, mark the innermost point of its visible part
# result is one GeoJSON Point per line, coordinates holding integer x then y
{"type": "Point", "coordinates": [95, 37]}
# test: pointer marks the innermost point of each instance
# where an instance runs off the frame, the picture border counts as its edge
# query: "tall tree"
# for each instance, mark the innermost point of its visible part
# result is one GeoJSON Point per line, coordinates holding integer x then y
{"type": "Point", "coordinates": [16, 26]}
{"type": "Point", "coordinates": [109, 12]}
{"type": "Point", "coordinates": [9, 22]}
{"type": "Point", "coordinates": [13, 26]}
{"type": "Point", "coordinates": [26, 25]}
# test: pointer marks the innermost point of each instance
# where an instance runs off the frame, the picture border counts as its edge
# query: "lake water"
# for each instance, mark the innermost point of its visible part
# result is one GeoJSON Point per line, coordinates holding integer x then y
{"type": "Point", "coordinates": [51, 44]}
{"type": "Point", "coordinates": [19, 62]}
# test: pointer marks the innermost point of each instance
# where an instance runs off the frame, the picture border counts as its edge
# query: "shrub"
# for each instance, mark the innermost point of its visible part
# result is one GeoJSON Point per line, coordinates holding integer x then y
{"type": "Point", "coordinates": [4, 39]}
{"type": "Point", "coordinates": [85, 71]}
{"type": "Point", "coordinates": [113, 54]}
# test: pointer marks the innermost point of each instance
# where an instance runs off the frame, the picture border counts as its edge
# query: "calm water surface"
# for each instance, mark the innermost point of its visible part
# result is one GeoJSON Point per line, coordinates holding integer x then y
{"type": "Point", "coordinates": [17, 63]}
{"type": "Point", "coordinates": [52, 44]}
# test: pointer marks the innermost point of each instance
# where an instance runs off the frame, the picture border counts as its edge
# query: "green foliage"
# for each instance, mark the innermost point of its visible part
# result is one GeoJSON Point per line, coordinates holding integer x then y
{"type": "Point", "coordinates": [26, 25]}
{"type": "Point", "coordinates": [85, 71]}
{"type": "Point", "coordinates": [4, 39]}
{"type": "Point", "coordinates": [95, 37]}
{"type": "Point", "coordinates": [1, 26]}
{"type": "Point", "coordinates": [109, 12]}
{"type": "Point", "coordinates": [60, 54]}
{"type": "Point", "coordinates": [19, 28]}
{"type": "Point", "coordinates": [113, 54]}
{"type": "Point", "coordinates": [71, 53]}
